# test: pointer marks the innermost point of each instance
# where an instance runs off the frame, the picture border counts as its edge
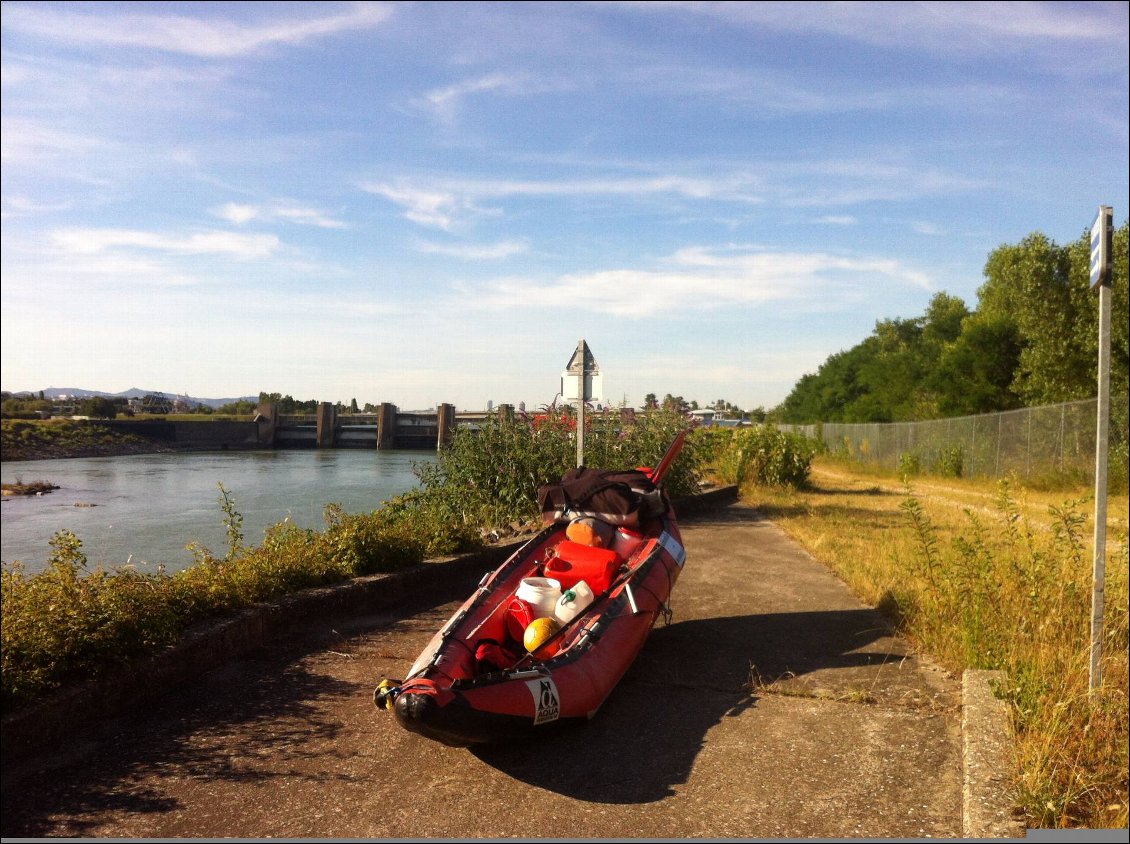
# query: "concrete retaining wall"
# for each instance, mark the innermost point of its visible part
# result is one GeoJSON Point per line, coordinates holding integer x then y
{"type": "Point", "coordinates": [206, 434]}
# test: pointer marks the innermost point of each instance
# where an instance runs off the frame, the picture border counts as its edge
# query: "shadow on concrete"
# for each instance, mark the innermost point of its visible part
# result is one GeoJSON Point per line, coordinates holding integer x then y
{"type": "Point", "coordinates": [266, 708]}
{"type": "Point", "coordinates": [728, 515]}
{"type": "Point", "coordinates": [261, 706]}
{"type": "Point", "coordinates": [689, 678]}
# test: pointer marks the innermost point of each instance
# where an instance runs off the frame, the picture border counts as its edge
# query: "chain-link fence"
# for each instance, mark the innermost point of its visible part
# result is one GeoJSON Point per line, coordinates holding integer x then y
{"type": "Point", "coordinates": [1037, 441]}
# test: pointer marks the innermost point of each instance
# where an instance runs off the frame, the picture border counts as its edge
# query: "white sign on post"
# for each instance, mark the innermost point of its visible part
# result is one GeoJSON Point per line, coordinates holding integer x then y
{"type": "Point", "coordinates": [580, 382]}
{"type": "Point", "coordinates": [1102, 235]}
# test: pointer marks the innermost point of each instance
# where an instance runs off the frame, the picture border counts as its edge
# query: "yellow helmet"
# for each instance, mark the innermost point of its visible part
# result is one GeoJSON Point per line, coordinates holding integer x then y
{"type": "Point", "coordinates": [538, 632]}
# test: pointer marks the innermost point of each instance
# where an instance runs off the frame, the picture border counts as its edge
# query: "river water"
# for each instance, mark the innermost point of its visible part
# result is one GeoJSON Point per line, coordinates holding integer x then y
{"type": "Point", "coordinates": [148, 507]}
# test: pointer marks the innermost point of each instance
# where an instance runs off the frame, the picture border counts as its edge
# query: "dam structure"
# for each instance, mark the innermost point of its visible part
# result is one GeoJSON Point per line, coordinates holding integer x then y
{"type": "Point", "coordinates": [388, 428]}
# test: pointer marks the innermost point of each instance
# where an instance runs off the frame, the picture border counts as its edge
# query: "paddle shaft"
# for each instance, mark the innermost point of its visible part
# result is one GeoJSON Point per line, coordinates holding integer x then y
{"type": "Point", "coordinates": [672, 452]}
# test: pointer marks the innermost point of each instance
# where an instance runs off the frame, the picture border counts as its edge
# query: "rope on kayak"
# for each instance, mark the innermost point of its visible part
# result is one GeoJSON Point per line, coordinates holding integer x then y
{"type": "Point", "coordinates": [664, 606]}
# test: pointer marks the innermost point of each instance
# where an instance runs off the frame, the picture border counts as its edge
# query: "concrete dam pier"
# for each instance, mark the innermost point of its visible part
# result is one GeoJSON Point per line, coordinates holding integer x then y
{"type": "Point", "coordinates": [387, 428]}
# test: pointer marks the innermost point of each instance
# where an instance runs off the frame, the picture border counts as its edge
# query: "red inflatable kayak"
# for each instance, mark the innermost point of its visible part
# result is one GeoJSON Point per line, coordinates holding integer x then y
{"type": "Point", "coordinates": [477, 682]}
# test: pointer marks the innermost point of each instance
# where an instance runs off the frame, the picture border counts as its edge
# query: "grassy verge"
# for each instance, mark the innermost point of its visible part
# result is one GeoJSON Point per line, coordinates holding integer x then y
{"type": "Point", "coordinates": [987, 575]}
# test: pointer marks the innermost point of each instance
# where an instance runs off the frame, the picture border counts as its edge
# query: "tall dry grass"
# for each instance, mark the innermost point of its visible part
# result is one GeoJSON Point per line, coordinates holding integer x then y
{"type": "Point", "coordinates": [995, 578]}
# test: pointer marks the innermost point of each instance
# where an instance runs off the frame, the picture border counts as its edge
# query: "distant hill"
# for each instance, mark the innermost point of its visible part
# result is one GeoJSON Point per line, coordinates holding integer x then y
{"type": "Point", "coordinates": [132, 393]}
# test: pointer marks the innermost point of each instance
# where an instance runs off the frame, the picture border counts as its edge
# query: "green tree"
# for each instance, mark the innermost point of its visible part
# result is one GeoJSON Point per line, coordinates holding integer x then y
{"type": "Point", "coordinates": [675, 403]}
{"type": "Point", "coordinates": [974, 373]}
{"type": "Point", "coordinates": [242, 407]}
{"type": "Point", "coordinates": [890, 379]}
{"type": "Point", "coordinates": [98, 407]}
{"type": "Point", "coordinates": [827, 394]}
{"type": "Point", "coordinates": [1045, 289]}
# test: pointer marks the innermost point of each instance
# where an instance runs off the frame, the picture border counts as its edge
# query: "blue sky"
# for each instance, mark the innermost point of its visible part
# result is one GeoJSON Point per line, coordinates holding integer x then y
{"type": "Point", "coordinates": [432, 202]}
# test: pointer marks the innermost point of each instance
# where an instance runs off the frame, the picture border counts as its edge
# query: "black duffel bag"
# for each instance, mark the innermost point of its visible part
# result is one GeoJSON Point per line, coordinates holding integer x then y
{"type": "Point", "coordinates": [617, 497]}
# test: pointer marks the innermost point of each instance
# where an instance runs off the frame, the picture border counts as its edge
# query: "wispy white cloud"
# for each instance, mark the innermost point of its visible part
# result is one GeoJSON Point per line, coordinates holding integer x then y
{"type": "Point", "coordinates": [923, 227]}
{"type": "Point", "coordinates": [27, 139]}
{"type": "Point", "coordinates": [734, 187]}
{"type": "Point", "coordinates": [767, 267]}
{"type": "Point", "coordinates": [698, 278]}
{"type": "Point", "coordinates": [196, 36]}
{"type": "Point", "coordinates": [1029, 20]}
{"type": "Point", "coordinates": [428, 207]}
{"type": "Point", "coordinates": [241, 214]}
{"type": "Point", "coordinates": [444, 102]}
{"type": "Point", "coordinates": [21, 206]}
{"type": "Point", "coordinates": [237, 214]}
{"type": "Point", "coordinates": [474, 252]}
{"type": "Point", "coordinates": [61, 274]}
{"type": "Point", "coordinates": [937, 26]}
{"type": "Point", "coordinates": [829, 183]}
{"type": "Point", "coordinates": [231, 244]}
{"type": "Point", "coordinates": [787, 94]}
{"type": "Point", "coordinates": [444, 202]}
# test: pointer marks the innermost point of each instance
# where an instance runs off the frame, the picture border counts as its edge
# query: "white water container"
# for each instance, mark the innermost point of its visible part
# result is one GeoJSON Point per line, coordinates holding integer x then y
{"type": "Point", "coordinates": [574, 601]}
{"type": "Point", "coordinates": [541, 593]}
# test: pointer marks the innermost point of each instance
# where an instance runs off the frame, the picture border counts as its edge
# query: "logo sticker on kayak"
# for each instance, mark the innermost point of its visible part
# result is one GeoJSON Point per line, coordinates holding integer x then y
{"type": "Point", "coordinates": [547, 702]}
{"type": "Point", "coordinates": [673, 547]}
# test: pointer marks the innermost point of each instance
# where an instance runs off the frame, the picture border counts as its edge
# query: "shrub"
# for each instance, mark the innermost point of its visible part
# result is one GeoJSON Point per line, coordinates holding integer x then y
{"type": "Point", "coordinates": [910, 465]}
{"type": "Point", "coordinates": [489, 478]}
{"type": "Point", "coordinates": [950, 462]}
{"type": "Point", "coordinates": [367, 543]}
{"type": "Point", "coordinates": [68, 623]}
{"type": "Point", "coordinates": [763, 455]}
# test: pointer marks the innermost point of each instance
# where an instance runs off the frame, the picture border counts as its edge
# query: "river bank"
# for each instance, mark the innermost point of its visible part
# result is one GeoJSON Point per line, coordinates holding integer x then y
{"type": "Point", "coordinates": [55, 439]}
{"type": "Point", "coordinates": [32, 488]}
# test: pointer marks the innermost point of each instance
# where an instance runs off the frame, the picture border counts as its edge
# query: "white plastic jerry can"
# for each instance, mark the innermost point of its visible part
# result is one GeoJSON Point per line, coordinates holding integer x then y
{"type": "Point", "coordinates": [574, 601]}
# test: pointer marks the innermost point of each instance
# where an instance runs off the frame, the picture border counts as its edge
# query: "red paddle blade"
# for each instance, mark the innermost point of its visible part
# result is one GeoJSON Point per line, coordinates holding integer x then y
{"type": "Point", "coordinates": [672, 452]}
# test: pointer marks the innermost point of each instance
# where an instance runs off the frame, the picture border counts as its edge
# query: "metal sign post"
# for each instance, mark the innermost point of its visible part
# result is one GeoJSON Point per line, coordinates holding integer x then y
{"type": "Point", "coordinates": [580, 382]}
{"type": "Point", "coordinates": [580, 433]}
{"type": "Point", "coordinates": [1102, 234]}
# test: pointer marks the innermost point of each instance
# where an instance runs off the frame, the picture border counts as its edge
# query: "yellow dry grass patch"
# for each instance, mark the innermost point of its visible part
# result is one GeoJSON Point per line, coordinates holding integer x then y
{"type": "Point", "coordinates": [984, 575]}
